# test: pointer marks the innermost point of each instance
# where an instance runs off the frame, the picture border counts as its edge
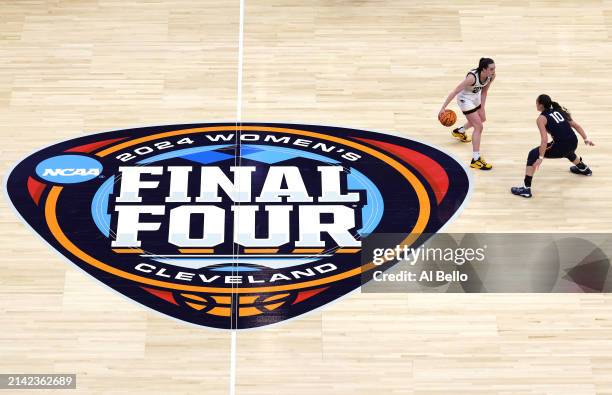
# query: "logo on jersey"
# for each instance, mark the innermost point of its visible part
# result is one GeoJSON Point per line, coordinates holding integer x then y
{"type": "Point", "coordinates": [233, 227]}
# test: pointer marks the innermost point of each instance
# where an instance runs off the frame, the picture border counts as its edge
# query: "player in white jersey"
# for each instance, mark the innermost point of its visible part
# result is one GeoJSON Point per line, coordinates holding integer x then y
{"type": "Point", "coordinates": [471, 97]}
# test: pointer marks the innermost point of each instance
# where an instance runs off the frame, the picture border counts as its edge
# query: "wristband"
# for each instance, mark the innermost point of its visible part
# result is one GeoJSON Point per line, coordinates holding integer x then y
{"type": "Point", "coordinates": [541, 158]}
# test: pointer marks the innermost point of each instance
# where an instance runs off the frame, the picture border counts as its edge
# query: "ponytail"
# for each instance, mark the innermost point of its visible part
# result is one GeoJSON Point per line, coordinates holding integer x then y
{"type": "Point", "coordinates": [483, 63]}
{"type": "Point", "coordinates": [549, 104]}
{"type": "Point", "coordinates": [557, 107]}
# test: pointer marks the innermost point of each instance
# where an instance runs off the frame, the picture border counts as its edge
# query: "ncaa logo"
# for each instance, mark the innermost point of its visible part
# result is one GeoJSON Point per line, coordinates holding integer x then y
{"type": "Point", "coordinates": [230, 226]}
{"type": "Point", "coordinates": [68, 169]}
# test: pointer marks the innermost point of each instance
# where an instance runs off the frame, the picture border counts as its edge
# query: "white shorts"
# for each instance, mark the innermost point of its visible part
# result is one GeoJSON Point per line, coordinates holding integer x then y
{"type": "Point", "coordinates": [468, 103]}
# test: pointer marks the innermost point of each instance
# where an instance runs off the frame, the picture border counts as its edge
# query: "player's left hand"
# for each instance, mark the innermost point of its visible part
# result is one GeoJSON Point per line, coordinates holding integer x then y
{"type": "Point", "coordinates": [589, 142]}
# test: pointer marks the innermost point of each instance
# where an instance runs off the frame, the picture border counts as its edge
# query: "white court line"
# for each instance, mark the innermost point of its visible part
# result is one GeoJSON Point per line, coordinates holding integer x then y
{"type": "Point", "coordinates": [232, 381]}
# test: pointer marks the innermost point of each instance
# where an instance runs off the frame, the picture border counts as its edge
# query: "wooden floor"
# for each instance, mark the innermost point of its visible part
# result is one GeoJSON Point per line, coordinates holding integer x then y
{"type": "Point", "coordinates": [71, 67]}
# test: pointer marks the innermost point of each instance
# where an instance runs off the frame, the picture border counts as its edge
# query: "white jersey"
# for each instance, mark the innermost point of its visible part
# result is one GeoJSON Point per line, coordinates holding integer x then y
{"type": "Point", "coordinates": [469, 98]}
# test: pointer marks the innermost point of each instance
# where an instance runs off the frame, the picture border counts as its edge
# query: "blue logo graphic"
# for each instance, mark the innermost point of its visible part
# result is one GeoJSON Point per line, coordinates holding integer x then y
{"type": "Point", "coordinates": [69, 169]}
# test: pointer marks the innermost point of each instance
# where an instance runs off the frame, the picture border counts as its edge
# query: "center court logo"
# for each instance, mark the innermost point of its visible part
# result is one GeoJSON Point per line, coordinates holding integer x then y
{"type": "Point", "coordinates": [233, 227]}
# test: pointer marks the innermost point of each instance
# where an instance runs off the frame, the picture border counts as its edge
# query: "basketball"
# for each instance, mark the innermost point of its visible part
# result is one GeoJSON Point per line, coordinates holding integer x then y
{"type": "Point", "coordinates": [448, 118]}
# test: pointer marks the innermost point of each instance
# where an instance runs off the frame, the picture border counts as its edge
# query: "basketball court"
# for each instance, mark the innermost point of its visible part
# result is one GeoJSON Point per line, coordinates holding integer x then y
{"type": "Point", "coordinates": [70, 68]}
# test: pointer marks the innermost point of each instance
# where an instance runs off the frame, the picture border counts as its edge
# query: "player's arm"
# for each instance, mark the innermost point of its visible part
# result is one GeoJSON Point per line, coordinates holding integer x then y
{"type": "Point", "coordinates": [468, 81]}
{"type": "Point", "coordinates": [541, 122]}
{"type": "Point", "coordinates": [485, 90]}
{"type": "Point", "coordinates": [581, 132]}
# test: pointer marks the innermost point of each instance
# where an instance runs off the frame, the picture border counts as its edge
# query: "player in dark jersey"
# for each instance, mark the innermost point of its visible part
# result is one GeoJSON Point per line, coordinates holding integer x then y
{"type": "Point", "coordinates": [556, 121]}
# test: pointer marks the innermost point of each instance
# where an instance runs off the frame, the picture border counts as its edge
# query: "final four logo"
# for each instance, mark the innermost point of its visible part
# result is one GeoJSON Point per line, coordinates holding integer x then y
{"type": "Point", "coordinates": [231, 226]}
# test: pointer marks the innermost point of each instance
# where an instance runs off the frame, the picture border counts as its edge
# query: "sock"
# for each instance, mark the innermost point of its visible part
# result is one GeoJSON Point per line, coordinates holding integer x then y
{"type": "Point", "coordinates": [528, 181]}
{"type": "Point", "coordinates": [476, 155]}
{"type": "Point", "coordinates": [581, 165]}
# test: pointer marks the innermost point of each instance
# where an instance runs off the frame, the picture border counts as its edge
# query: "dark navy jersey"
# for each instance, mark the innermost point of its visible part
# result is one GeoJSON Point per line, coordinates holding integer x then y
{"type": "Point", "coordinates": [558, 126]}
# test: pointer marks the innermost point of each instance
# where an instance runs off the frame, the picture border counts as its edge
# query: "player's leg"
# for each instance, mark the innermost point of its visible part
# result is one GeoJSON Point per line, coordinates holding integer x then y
{"type": "Point", "coordinates": [525, 190]}
{"type": "Point", "coordinates": [459, 133]}
{"type": "Point", "coordinates": [466, 105]}
{"type": "Point", "coordinates": [468, 124]}
{"type": "Point", "coordinates": [478, 161]}
{"type": "Point", "coordinates": [474, 119]}
{"type": "Point", "coordinates": [464, 128]}
{"type": "Point", "coordinates": [567, 149]}
{"type": "Point", "coordinates": [554, 150]}
{"type": "Point", "coordinates": [580, 167]}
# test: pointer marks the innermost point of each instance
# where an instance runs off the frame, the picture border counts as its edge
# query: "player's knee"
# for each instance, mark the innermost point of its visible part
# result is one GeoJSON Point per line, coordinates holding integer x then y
{"type": "Point", "coordinates": [534, 154]}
